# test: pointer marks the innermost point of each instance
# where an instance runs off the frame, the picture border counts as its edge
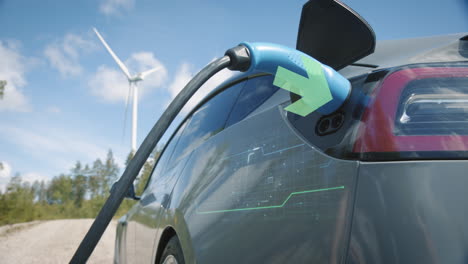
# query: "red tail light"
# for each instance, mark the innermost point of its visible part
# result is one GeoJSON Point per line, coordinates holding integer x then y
{"type": "Point", "coordinates": [417, 110]}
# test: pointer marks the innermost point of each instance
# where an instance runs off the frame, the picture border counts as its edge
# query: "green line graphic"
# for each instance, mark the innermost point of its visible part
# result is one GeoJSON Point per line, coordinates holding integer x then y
{"type": "Point", "coordinates": [272, 206]}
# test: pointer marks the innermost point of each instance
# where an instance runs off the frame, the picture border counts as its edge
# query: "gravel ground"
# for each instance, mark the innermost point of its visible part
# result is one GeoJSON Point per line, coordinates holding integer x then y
{"type": "Point", "coordinates": [52, 242]}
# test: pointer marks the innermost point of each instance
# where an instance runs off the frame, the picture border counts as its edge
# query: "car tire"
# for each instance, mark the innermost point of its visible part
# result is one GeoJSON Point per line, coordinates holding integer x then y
{"type": "Point", "coordinates": [172, 253]}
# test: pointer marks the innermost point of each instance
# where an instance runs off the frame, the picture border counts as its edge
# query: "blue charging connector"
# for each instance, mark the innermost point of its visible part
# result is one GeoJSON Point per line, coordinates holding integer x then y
{"type": "Point", "coordinates": [273, 58]}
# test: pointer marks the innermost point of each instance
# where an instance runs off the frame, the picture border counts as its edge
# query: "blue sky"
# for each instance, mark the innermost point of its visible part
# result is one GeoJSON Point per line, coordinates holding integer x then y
{"type": "Point", "coordinates": [65, 98]}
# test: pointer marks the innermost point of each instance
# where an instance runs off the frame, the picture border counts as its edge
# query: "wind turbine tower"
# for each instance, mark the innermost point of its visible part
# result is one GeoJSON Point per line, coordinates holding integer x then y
{"type": "Point", "coordinates": [133, 87]}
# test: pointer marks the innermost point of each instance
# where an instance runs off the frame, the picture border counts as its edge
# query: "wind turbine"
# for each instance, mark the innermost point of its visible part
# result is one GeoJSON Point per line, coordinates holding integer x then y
{"type": "Point", "coordinates": [132, 82]}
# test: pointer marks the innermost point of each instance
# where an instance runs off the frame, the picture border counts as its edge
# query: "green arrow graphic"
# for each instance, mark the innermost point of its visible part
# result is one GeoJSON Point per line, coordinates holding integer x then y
{"type": "Point", "coordinates": [313, 88]}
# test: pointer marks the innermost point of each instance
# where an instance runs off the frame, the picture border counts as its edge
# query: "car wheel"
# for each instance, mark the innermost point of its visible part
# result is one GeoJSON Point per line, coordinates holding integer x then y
{"type": "Point", "coordinates": [172, 253]}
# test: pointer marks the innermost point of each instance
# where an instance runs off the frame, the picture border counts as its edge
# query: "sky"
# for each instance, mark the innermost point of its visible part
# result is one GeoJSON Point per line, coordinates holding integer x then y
{"type": "Point", "coordinates": [65, 98]}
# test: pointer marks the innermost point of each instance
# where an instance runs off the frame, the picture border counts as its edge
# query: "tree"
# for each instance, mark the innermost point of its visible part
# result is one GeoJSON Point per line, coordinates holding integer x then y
{"type": "Point", "coordinates": [60, 190]}
{"type": "Point", "coordinates": [80, 193]}
{"type": "Point", "coordinates": [2, 88]}
{"type": "Point", "coordinates": [79, 183]}
{"type": "Point", "coordinates": [146, 172]}
{"type": "Point", "coordinates": [96, 178]}
{"type": "Point", "coordinates": [17, 203]}
{"type": "Point", "coordinates": [15, 184]}
{"type": "Point", "coordinates": [42, 193]}
{"type": "Point", "coordinates": [111, 170]}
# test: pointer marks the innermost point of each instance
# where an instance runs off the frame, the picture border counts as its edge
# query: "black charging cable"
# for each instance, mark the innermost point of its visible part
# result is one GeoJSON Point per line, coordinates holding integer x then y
{"type": "Point", "coordinates": [236, 58]}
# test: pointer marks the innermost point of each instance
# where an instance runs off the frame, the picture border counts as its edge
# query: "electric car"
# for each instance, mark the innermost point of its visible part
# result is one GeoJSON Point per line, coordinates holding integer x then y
{"type": "Point", "coordinates": [381, 180]}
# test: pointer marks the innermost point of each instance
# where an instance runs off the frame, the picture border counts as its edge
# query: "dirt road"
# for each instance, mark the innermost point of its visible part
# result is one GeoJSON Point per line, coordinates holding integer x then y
{"type": "Point", "coordinates": [52, 242]}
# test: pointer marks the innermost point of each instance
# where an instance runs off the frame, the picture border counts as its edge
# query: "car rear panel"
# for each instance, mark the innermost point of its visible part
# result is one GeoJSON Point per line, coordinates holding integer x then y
{"type": "Point", "coordinates": [411, 137]}
{"type": "Point", "coordinates": [410, 212]}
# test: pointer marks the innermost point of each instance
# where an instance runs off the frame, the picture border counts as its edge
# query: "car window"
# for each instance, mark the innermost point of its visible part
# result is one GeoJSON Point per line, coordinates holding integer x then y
{"type": "Point", "coordinates": [208, 120]}
{"type": "Point", "coordinates": [163, 160]}
{"type": "Point", "coordinates": [254, 94]}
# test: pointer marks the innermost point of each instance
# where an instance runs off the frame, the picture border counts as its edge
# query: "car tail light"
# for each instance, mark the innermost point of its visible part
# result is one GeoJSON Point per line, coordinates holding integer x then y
{"type": "Point", "coordinates": [417, 110]}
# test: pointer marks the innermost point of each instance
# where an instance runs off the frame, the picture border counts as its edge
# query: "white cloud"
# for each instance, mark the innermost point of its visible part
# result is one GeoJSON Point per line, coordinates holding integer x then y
{"type": "Point", "coordinates": [115, 7]}
{"type": "Point", "coordinates": [5, 170]}
{"type": "Point", "coordinates": [13, 69]}
{"type": "Point", "coordinates": [54, 147]}
{"type": "Point", "coordinates": [111, 85]}
{"type": "Point", "coordinates": [63, 55]}
{"type": "Point", "coordinates": [5, 174]}
{"type": "Point", "coordinates": [31, 177]}
{"type": "Point", "coordinates": [53, 109]}
{"type": "Point", "coordinates": [183, 76]}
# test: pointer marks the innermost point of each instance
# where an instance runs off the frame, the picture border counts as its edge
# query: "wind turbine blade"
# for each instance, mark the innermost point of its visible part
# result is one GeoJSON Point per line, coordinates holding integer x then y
{"type": "Point", "coordinates": [117, 60]}
{"type": "Point", "coordinates": [148, 72]}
